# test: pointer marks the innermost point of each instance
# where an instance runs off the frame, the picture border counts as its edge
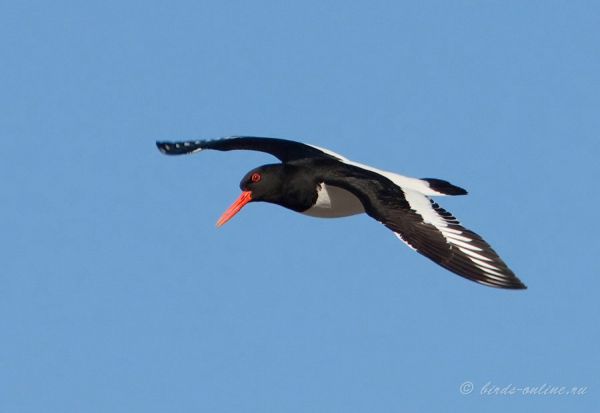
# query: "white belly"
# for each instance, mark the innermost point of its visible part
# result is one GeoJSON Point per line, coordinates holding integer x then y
{"type": "Point", "coordinates": [334, 202]}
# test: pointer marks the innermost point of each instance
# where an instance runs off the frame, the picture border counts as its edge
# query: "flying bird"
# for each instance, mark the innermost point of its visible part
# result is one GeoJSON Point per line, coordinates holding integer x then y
{"type": "Point", "coordinates": [318, 182]}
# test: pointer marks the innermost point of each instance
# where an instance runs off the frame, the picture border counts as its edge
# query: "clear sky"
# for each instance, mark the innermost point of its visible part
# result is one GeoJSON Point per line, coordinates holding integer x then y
{"type": "Point", "coordinates": [118, 294]}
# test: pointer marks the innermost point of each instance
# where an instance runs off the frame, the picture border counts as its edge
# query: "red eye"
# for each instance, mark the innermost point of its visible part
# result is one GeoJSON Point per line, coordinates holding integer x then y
{"type": "Point", "coordinates": [255, 177]}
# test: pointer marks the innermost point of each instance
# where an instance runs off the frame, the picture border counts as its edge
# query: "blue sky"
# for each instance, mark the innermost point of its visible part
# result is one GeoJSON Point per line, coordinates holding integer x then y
{"type": "Point", "coordinates": [118, 292]}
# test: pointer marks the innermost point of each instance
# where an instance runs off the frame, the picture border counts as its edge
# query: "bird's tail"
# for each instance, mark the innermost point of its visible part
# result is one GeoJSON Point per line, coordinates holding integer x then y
{"type": "Point", "coordinates": [444, 187]}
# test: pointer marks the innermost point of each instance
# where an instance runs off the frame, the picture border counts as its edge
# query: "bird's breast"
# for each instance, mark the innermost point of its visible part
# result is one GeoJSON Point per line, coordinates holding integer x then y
{"type": "Point", "coordinates": [334, 202]}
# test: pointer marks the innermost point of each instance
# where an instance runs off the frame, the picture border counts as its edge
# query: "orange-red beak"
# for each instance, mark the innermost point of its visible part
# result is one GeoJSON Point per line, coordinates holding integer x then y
{"type": "Point", "coordinates": [235, 208]}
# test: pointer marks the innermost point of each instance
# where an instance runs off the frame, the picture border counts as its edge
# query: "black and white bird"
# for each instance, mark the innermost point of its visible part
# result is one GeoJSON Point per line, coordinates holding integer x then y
{"type": "Point", "coordinates": [320, 183]}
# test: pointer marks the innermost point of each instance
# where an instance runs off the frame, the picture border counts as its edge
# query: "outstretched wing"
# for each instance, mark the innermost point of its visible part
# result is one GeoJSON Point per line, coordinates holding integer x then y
{"type": "Point", "coordinates": [427, 228]}
{"type": "Point", "coordinates": [283, 149]}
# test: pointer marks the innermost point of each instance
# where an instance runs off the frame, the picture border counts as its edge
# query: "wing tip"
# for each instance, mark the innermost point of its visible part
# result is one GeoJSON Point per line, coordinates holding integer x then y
{"type": "Point", "coordinates": [504, 279]}
{"type": "Point", "coordinates": [179, 148]}
{"type": "Point", "coordinates": [492, 273]}
{"type": "Point", "coordinates": [512, 283]}
{"type": "Point", "coordinates": [163, 146]}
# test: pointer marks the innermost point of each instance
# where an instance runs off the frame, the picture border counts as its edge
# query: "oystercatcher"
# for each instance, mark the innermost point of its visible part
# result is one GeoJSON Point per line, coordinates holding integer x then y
{"type": "Point", "coordinates": [320, 183]}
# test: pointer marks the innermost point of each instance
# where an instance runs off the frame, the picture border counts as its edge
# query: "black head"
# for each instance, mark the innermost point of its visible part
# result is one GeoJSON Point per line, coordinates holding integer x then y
{"type": "Point", "coordinates": [281, 184]}
{"type": "Point", "coordinates": [266, 183]}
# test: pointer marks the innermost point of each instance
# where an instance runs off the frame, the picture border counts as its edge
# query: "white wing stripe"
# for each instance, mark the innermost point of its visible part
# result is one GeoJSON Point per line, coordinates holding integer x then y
{"type": "Point", "coordinates": [491, 273]}
{"type": "Point", "coordinates": [474, 254]}
{"type": "Point", "coordinates": [463, 244]}
{"type": "Point", "coordinates": [452, 231]}
{"type": "Point", "coordinates": [483, 264]}
{"type": "Point", "coordinates": [454, 235]}
{"type": "Point", "coordinates": [422, 205]}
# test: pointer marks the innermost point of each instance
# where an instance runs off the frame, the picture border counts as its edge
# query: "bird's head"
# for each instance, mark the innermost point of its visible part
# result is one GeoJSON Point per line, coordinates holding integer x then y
{"type": "Point", "coordinates": [281, 184]}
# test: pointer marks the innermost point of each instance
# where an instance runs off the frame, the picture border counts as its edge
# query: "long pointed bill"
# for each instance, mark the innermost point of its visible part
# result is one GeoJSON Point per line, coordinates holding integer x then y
{"type": "Point", "coordinates": [235, 208]}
